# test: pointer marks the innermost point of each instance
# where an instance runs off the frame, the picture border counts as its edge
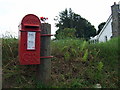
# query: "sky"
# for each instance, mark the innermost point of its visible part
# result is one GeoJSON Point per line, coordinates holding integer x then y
{"type": "Point", "coordinates": [12, 11]}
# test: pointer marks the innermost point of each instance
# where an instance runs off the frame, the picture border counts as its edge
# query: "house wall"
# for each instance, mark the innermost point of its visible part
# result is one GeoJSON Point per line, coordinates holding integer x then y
{"type": "Point", "coordinates": [106, 32]}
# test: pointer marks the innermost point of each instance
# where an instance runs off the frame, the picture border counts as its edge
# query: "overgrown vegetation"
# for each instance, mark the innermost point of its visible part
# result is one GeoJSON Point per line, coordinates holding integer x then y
{"type": "Point", "coordinates": [76, 64]}
{"type": "Point", "coordinates": [87, 64]}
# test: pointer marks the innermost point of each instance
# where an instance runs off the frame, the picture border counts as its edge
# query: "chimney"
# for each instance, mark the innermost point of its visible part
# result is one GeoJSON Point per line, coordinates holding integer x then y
{"type": "Point", "coordinates": [114, 3]}
{"type": "Point", "coordinates": [115, 19]}
{"type": "Point", "coordinates": [119, 2]}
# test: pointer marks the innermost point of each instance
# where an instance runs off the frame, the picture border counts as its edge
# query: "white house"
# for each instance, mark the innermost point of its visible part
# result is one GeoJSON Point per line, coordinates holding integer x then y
{"type": "Point", "coordinates": [111, 28]}
{"type": "Point", "coordinates": [106, 32]}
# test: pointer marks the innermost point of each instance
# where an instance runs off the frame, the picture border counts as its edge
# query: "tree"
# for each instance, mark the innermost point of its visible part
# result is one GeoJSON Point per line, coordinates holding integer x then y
{"type": "Point", "coordinates": [65, 33]}
{"type": "Point", "coordinates": [100, 27]}
{"type": "Point", "coordinates": [69, 19]}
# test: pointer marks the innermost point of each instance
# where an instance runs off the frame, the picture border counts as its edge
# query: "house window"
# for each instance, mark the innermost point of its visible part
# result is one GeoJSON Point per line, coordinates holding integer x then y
{"type": "Point", "coordinates": [106, 38]}
{"type": "Point", "coordinates": [97, 40]}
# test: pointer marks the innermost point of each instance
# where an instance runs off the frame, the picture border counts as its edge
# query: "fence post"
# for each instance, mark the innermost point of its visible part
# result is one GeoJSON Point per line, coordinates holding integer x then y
{"type": "Point", "coordinates": [44, 68]}
{"type": "Point", "coordinates": [0, 63]}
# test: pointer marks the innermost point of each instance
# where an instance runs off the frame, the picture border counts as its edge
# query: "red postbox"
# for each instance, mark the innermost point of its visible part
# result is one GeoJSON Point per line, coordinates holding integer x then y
{"type": "Point", "coordinates": [29, 40]}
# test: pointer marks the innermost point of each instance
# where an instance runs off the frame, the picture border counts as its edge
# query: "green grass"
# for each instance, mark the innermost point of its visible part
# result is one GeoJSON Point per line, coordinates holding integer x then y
{"type": "Point", "coordinates": [76, 64]}
{"type": "Point", "coordinates": [109, 56]}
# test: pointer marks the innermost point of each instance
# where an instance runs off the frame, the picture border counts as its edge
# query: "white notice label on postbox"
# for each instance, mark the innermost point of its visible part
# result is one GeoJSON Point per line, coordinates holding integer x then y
{"type": "Point", "coordinates": [31, 40]}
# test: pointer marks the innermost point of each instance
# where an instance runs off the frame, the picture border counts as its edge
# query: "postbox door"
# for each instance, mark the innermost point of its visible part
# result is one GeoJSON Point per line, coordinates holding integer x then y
{"type": "Point", "coordinates": [29, 48]}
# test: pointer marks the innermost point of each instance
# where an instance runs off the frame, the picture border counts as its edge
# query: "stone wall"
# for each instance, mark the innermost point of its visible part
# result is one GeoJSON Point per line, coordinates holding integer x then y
{"type": "Point", "coordinates": [115, 19]}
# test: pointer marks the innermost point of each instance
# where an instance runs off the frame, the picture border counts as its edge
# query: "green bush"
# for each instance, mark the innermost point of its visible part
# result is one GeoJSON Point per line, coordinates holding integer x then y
{"type": "Point", "coordinates": [65, 33]}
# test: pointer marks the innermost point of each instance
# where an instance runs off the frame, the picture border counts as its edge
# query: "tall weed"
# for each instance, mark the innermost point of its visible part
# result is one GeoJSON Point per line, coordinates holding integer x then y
{"type": "Point", "coordinates": [68, 48]}
{"type": "Point", "coordinates": [85, 57]}
{"type": "Point", "coordinates": [9, 48]}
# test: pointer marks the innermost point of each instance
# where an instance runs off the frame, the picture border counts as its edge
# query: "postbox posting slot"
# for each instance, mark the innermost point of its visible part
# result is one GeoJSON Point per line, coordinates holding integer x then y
{"type": "Point", "coordinates": [31, 25]}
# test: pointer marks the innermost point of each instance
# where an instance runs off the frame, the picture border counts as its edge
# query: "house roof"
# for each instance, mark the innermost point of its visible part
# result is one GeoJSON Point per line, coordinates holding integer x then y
{"type": "Point", "coordinates": [107, 22]}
